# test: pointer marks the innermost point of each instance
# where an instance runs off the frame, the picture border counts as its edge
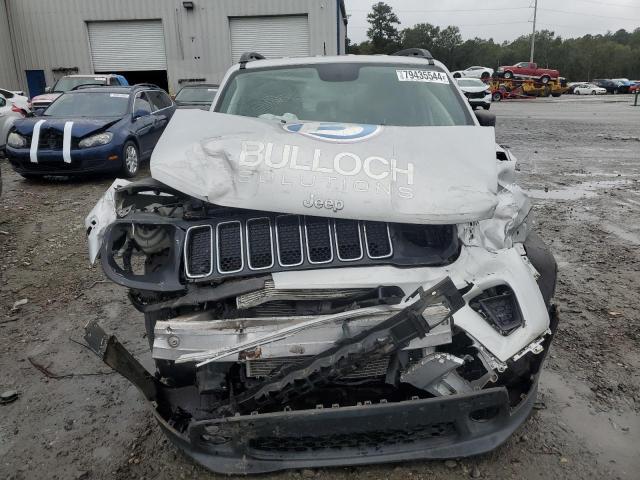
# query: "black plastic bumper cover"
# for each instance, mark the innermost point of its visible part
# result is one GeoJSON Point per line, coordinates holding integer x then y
{"type": "Point", "coordinates": [434, 428]}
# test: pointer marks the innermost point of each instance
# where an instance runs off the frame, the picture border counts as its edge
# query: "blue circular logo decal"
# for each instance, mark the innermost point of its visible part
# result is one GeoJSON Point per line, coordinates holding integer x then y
{"type": "Point", "coordinates": [334, 132]}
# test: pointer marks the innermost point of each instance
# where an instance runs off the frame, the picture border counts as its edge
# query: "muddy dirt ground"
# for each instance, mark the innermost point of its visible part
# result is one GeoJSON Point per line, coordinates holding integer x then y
{"type": "Point", "coordinates": [580, 158]}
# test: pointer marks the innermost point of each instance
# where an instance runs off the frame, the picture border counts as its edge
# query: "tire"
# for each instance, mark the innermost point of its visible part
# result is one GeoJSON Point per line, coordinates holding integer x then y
{"type": "Point", "coordinates": [556, 95]}
{"type": "Point", "coordinates": [544, 80]}
{"type": "Point", "coordinates": [615, 91]}
{"type": "Point", "coordinates": [130, 159]}
{"type": "Point", "coordinates": [576, 92]}
{"type": "Point", "coordinates": [496, 97]}
{"type": "Point", "coordinates": [508, 75]}
{"type": "Point", "coordinates": [484, 75]}
{"type": "Point", "coordinates": [593, 92]}
{"type": "Point", "coordinates": [486, 107]}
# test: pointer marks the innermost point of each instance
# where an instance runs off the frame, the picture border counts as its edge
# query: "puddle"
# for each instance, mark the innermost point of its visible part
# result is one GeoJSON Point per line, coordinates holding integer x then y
{"type": "Point", "coordinates": [578, 191]}
{"type": "Point", "coordinates": [613, 436]}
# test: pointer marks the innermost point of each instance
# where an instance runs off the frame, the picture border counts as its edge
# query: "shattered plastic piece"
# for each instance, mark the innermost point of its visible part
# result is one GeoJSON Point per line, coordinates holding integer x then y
{"type": "Point", "coordinates": [8, 396]}
{"type": "Point", "coordinates": [102, 215]}
{"type": "Point", "coordinates": [19, 303]}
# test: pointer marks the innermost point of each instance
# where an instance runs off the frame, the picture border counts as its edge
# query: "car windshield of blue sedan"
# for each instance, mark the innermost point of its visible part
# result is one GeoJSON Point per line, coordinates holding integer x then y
{"type": "Point", "coordinates": [89, 104]}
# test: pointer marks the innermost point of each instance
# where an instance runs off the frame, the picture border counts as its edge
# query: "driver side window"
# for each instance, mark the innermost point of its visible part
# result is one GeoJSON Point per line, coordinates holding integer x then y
{"type": "Point", "coordinates": [142, 104]}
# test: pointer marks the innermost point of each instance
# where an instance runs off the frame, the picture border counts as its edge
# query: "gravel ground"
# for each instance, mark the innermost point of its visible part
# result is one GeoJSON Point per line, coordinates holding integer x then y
{"type": "Point", "coordinates": [580, 159]}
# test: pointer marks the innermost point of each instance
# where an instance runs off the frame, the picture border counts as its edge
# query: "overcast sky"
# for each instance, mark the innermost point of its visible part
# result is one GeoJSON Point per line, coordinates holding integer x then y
{"type": "Point", "coordinates": [504, 19]}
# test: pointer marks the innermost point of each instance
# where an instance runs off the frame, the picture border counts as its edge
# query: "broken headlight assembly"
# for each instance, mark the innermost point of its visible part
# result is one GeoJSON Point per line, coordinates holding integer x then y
{"type": "Point", "coordinates": [499, 307]}
{"type": "Point", "coordinates": [143, 254]}
{"type": "Point", "coordinates": [16, 140]}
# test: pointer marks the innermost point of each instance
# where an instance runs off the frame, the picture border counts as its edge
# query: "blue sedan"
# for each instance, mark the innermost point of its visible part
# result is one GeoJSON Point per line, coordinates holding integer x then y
{"type": "Point", "coordinates": [90, 130]}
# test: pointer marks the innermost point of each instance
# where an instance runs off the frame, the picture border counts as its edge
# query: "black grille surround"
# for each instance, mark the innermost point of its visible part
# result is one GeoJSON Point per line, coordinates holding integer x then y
{"type": "Point", "coordinates": [263, 242]}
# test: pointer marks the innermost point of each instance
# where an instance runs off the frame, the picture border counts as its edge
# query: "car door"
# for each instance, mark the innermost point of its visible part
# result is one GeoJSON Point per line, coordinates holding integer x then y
{"type": "Point", "coordinates": [163, 111]}
{"type": "Point", "coordinates": [143, 123]}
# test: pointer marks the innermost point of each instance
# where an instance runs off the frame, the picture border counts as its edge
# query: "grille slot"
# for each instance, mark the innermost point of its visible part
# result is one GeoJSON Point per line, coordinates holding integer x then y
{"type": "Point", "coordinates": [50, 140]}
{"type": "Point", "coordinates": [199, 252]}
{"type": "Point", "coordinates": [289, 240]}
{"type": "Point", "coordinates": [378, 240]}
{"type": "Point", "coordinates": [259, 243]}
{"type": "Point", "coordinates": [319, 242]}
{"type": "Point", "coordinates": [229, 242]}
{"type": "Point", "coordinates": [348, 240]}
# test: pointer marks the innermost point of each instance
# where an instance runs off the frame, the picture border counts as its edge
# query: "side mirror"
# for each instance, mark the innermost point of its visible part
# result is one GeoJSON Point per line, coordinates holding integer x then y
{"type": "Point", "coordinates": [485, 119]}
{"type": "Point", "coordinates": [47, 89]}
{"type": "Point", "coordinates": [141, 112]}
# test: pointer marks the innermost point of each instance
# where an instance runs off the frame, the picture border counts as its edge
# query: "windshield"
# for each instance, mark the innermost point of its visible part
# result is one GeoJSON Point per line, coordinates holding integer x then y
{"type": "Point", "coordinates": [68, 83]}
{"type": "Point", "coordinates": [471, 82]}
{"type": "Point", "coordinates": [203, 95]}
{"type": "Point", "coordinates": [350, 93]}
{"type": "Point", "coordinates": [89, 104]}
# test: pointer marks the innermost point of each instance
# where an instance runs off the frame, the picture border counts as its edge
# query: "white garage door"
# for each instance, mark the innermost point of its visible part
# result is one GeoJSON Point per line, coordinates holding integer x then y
{"type": "Point", "coordinates": [127, 46]}
{"type": "Point", "coordinates": [273, 37]}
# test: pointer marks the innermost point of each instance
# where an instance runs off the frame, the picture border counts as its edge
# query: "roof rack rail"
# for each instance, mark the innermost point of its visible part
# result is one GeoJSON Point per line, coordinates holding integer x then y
{"type": "Point", "coordinates": [415, 52]}
{"type": "Point", "coordinates": [249, 57]}
{"type": "Point", "coordinates": [145, 85]}
{"type": "Point", "coordinates": [89, 85]}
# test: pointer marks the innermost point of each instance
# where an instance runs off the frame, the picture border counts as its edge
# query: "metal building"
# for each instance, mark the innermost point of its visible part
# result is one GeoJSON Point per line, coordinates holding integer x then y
{"type": "Point", "coordinates": [168, 42]}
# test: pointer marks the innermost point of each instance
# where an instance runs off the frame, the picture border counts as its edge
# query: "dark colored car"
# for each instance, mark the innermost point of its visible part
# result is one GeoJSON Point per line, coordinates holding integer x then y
{"type": "Point", "coordinates": [612, 86]}
{"type": "Point", "coordinates": [93, 129]}
{"type": "Point", "coordinates": [196, 96]}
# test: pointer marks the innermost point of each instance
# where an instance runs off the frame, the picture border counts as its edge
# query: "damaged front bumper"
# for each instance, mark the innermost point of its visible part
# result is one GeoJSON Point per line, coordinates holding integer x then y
{"type": "Point", "coordinates": [259, 431]}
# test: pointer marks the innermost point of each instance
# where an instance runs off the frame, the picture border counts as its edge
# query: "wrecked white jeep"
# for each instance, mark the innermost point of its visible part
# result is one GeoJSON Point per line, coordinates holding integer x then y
{"type": "Point", "coordinates": [335, 267]}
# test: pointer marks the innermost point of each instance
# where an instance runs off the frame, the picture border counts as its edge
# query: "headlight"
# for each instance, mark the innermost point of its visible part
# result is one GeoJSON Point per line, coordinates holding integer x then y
{"type": "Point", "coordinates": [16, 140]}
{"type": "Point", "coordinates": [95, 140]}
{"type": "Point", "coordinates": [487, 91]}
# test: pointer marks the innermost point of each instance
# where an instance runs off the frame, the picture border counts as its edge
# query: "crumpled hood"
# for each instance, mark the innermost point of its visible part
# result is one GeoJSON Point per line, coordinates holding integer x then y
{"type": "Point", "coordinates": [81, 126]}
{"type": "Point", "coordinates": [45, 97]}
{"type": "Point", "coordinates": [397, 174]}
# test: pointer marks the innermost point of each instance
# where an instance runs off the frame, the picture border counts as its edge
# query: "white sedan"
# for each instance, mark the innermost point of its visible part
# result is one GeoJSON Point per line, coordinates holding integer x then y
{"type": "Point", "coordinates": [16, 98]}
{"type": "Point", "coordinates": [474, 72]}
{"type": "Point", "coordinates": [589, 89]}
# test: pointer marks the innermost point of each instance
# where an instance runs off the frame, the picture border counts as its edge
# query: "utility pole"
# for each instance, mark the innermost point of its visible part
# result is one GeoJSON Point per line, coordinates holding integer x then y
{"type": "Point", "coordinates": [533, 34]}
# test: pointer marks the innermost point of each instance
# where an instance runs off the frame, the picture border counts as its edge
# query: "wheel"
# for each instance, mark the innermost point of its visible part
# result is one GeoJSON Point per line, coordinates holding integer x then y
{"type": "Point", "coordinates": [484, 75]}
{"type": "Point", "coordinates": [508, 74]}
{"type": "Point", "coordinates": [456, 75]}
{"type": "Point", "coordinates": [615, 91]}
{"type": "Point", "coordinates": [576, 92]}
{"type": "Point", "coordinates": [593, 92]}
{"type": "Point", "coordinates": [546, 92]}
{"type": "Point", "coordinates": [486, 107]}
{"type": "Point", "coordinates": [130, 159]}
{"type": "Point", "coordinates": [544, 80]}
{"type": "Point", "coordinates": [496, 97]}
{"type": "Point", "coordinates": [556, 95]}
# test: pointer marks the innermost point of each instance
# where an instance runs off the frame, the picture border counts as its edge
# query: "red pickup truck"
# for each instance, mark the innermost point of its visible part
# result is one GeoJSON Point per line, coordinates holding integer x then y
{"type": "Point", "coordinates": [528, 70]}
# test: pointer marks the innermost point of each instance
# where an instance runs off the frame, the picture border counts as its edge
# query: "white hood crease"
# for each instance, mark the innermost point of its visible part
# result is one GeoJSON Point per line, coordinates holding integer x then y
{"type": "Point", "coordinates": [511, 221]}
{"type": "Point", "coordinates": [399, 174]}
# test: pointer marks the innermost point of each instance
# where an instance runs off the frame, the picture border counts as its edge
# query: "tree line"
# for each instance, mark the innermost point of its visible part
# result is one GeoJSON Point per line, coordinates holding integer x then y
{"type": "Point", "coordinates": [612, 55]}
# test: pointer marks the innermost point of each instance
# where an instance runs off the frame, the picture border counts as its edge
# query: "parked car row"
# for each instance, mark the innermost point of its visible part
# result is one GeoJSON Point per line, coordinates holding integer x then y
{"type": "Point", "coordinates": [605, 85]}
